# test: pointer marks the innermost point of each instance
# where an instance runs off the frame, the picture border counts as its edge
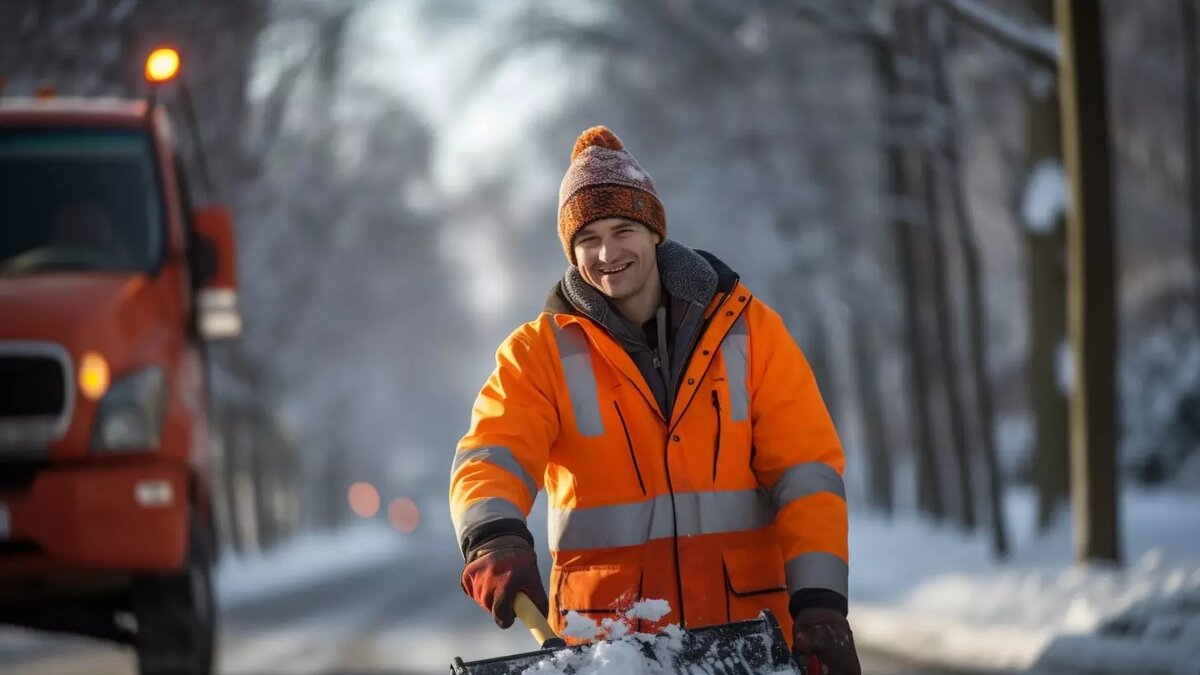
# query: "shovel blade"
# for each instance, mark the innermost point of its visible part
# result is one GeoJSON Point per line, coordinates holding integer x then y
{"type": "Point", "coordinates": [739, 648]}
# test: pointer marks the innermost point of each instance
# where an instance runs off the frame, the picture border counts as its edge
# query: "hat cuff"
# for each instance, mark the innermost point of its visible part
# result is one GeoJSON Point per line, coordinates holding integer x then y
{"type": "Point", "coordinates": [597, 202]}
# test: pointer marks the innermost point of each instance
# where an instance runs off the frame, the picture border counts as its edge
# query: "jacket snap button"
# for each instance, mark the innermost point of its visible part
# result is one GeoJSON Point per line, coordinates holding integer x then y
{"type": "Point", "coordinates": [729, 313]}
{"type": "Point", "coordinates": [675, 438]}
{"type": "Point", "coordinates": [742, 299]}
{"type": "Point", "coordinates": [706, 352]}
{"type": "Point", "coordinates": [691, 381]}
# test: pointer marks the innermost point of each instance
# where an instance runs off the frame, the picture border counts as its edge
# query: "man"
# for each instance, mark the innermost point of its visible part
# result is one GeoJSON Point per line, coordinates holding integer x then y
{"type": "Point", "coordinates": [675, 426]}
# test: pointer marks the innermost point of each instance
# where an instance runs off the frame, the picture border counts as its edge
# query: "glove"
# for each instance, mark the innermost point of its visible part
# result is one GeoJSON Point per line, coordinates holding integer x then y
{"type": "Point", "coordinates": [825, 634]}
{"type": "Point", "coordinates": [497, 570]}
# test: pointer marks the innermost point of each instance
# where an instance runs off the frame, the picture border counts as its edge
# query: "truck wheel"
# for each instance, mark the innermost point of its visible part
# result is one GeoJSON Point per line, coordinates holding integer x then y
{"type": "Point", "coordinates": [176, 623]}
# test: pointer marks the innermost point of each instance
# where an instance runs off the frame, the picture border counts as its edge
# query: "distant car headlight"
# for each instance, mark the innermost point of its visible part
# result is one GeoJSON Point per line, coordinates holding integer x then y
{"type": "Point", "coordinates": [131, 413]}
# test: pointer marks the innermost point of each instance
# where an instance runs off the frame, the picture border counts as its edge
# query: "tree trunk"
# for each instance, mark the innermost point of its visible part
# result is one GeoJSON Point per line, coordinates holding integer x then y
{"type": "Point", "coordinates": [943, 305]}
{"type": "Point", "coordinates": [817, 352]}
{"type": "Point", "coordinates": [943, 321]}
{"type": "Point", "coordinates": [1091, 289]}
{"type": "Point", "coordinates": [976, 310]}
{"type": "Point", "coordinates": [879, 468]}
{"type": "Point", "coordinates": [1047, 288]}
{"type": "Point", "coordinates": [929, 484]}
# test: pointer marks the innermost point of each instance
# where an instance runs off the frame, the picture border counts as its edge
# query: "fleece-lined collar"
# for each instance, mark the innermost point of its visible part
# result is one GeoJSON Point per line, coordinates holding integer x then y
{"type": "Point", "coordinates": [686, 275]}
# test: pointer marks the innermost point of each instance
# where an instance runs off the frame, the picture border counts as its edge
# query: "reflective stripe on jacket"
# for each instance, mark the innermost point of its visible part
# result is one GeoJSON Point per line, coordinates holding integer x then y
{"type": "Point", "coordinates": [723, 510]}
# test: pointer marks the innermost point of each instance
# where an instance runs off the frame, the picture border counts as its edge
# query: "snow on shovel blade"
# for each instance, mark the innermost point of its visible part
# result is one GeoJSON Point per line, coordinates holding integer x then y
{"type": "Point", "coordinates": [740, 648]}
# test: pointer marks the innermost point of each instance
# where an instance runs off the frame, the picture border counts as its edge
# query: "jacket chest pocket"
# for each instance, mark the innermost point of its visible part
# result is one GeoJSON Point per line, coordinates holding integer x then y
{"type": "Point", "coordinates": [630, 450]}
{"type": "Point", "coordinates": [614, 464]}
{"type": "Point", "coordinates": [633, 450]}
{"type": "Point", "coordinates": [730, 438]}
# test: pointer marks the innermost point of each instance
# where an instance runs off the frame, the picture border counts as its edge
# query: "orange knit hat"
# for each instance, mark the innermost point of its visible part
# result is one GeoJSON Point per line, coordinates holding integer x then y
{"type": "Point", "coordinates": [605, 181]}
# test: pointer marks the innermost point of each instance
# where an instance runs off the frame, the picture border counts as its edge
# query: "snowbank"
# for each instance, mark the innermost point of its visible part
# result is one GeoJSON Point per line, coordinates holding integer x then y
{"type": "Point", "coordinates": [306, 560]}
{"type": "Point", "coordinates": [942, 601]}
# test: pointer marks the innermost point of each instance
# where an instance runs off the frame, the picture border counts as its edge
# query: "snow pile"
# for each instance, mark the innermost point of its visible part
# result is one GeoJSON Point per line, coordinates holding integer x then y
{"type": "Point", "coordinates": [622, 651]}
{"type": "Point", "coordinates": [617, 657]}
{"type": "Point", "coordinates": [948, 604]}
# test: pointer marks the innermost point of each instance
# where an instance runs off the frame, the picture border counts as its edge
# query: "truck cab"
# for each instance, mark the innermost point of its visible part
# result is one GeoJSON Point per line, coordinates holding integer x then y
{"type": "Point", "coordinates": [111, 283]}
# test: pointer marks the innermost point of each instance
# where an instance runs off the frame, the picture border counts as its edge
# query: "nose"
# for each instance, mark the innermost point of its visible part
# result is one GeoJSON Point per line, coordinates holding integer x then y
{"type": "Point", "coordinates": [607, 252]}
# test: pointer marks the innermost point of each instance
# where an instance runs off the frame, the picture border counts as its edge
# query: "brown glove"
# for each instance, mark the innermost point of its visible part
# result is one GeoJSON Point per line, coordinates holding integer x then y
{"type": "Point", "coordinates": [497, 570]}
{"type": "Point", "coordinates": [825, 634]}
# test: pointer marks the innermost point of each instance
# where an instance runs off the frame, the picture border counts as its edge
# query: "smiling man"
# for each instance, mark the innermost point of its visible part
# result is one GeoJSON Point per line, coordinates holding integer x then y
{"type": "Point", "coordinates": [676, 428]}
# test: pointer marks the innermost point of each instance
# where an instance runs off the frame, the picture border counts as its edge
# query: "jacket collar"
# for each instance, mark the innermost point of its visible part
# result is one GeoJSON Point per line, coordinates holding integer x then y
{"type": "Point", "coordinates": [689, 275]}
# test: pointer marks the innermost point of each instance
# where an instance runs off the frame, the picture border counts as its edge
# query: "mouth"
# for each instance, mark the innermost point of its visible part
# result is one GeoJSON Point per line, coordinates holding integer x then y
{"type": "Point", "coordinates": [616, 269]}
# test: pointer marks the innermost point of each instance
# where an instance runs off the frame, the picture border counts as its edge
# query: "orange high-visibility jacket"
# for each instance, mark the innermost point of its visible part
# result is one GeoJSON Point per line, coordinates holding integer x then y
{"type": "Point", "coordinates": [729, 507]}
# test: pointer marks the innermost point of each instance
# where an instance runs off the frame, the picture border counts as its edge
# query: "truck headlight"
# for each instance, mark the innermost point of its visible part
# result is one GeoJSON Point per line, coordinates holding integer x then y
{"type": "Point", "coordinates": [131, 413]}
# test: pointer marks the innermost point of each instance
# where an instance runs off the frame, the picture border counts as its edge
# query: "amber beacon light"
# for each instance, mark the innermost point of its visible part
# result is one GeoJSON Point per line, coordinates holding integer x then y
{"type": "Point", "coordinates": [162, 65]}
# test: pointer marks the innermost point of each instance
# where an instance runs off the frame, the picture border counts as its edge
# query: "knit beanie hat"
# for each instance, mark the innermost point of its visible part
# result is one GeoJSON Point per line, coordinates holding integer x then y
{"type": "Point", "coordinates": [605, 181]}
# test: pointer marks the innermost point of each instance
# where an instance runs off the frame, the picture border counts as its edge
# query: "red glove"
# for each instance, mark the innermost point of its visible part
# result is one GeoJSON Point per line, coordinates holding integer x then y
{"type": "Point", "coordinates": [497, 570]}
{"type": "Point", "coordinates": [825, 634]}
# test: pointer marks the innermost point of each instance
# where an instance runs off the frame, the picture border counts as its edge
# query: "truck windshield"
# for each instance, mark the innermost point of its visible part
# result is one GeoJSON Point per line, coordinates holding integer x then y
{"type": "Point", "coordinates": [84, 200]}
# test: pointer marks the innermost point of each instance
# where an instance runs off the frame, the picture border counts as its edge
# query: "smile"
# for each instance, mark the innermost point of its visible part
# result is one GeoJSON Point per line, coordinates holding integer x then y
{"type": "Point", "coordinates": [614, 270]}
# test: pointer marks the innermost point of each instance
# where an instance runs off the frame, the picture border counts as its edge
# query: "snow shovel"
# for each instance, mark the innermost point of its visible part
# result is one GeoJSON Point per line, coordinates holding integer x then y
{"type": "Point", "coordinates": [739, 648]}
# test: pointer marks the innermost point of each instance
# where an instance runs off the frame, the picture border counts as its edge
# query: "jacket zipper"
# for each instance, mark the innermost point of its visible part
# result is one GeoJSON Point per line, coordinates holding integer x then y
{"type": "Point", "coordinates": [629, 443]}
{"type": "Point", "coordinates": [717, 441]}
{"type": "Point", "coordinates": [703, 329]}
{"type": "Point", "coordinates": [667, 465]}
{"type": "Point", "coordinates": [675, 533]}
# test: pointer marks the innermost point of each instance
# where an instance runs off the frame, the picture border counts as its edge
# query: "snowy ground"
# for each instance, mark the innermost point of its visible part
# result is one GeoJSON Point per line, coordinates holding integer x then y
{"type": "Point", "coordinates": [363, 601]}
{"type": "Point", "coordinates": [369, 600]}
{"type": "Point", "coordinates": [935, 596]}
{"type": "Point", "coordinates": [306, 560]}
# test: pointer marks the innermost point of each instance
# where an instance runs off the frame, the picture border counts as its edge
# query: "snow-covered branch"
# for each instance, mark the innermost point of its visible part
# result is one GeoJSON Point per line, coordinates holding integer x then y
{"type": "Point", "coordinates": [1037, 42]}
{"type": "Point", "coordinates": [839, 24]}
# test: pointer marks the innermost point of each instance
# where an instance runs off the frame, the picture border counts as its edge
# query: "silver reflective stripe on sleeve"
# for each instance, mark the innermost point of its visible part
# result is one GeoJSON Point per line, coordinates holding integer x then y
{"type": "Point", "coordinates": [484, 511]}
{"type": "Point", "coordinates": [497, 456]}
{"type": "Point", "coordinates": [806, 479]}
{"type": "Point", "coordinates": [736, 349]}
{"type": "Point", "coordinates": [581, 379]}
{"type": "Point", "coordinates": [639, 522]}
{"type": "Point", "coordinates": [818, 570]}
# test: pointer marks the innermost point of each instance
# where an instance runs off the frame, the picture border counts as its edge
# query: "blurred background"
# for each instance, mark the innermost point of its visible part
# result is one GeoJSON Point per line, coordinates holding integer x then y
{"type": "Point", "coordinates": [887, 174]}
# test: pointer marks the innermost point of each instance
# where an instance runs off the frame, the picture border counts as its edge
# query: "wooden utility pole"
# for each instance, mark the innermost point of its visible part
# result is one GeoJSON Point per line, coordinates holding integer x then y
{"type": "Point", "coordinates": [1191, 132]}
{"type": "Point", "coordinates": [1091, 315]}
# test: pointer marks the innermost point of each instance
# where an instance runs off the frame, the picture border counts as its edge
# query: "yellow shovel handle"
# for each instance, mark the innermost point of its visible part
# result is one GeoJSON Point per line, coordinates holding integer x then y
{"type": "Point", "coordinates": [533, 619]}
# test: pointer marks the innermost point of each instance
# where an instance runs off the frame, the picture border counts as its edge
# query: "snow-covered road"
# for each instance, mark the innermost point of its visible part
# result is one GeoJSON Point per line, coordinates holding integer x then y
{"type": "Point", "coordinates": [388, 612]}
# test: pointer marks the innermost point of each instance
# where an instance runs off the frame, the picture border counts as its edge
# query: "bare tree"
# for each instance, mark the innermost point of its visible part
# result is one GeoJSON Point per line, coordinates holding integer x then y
{"type": "Point", "coordinates": [942, 306]}
{"type": "Point", "coordinates": [897, 181]}
{"type": "Point", "coordinates": [1045, 236]}
{"type": "Point", "coordinates": [976, 311]}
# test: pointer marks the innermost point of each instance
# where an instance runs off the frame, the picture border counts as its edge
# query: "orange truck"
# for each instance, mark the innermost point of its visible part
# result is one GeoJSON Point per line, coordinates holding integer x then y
{"type": "Point", "coordinates": [111, 284]}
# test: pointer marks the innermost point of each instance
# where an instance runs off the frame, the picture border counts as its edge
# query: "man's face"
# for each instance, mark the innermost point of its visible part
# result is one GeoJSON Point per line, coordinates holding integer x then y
{"type": "Point", "coordinates": [617, 256]}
